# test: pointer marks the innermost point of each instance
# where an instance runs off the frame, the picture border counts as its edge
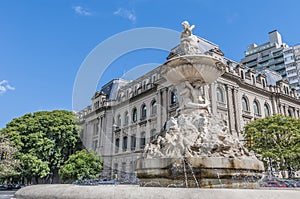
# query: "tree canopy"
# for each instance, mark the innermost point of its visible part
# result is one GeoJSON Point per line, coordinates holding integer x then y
{"type": "Point", "coordinates": [277, 139]}
{"type": "Point", "coordinates": [44, 140]}
{"type": "Point", "coordinates": [81, 165]}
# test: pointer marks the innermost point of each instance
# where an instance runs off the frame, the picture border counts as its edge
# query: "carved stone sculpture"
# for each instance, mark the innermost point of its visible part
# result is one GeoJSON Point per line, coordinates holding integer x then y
{"type": "Point", "coordinates": [195, 137]}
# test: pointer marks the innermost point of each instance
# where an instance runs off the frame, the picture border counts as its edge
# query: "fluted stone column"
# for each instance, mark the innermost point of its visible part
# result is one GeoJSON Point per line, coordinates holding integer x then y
{"type": "Point", "coordinates": [274, 105]}
{"type": "Point", "coordinates": [230, 105]}
{"type": "Point", "coordinates": [213, 99]}
{"type": "Point", "coordinates": [237, 110]}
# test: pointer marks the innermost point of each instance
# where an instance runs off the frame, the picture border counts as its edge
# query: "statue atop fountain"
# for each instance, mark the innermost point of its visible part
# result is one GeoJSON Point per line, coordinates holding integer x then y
{"type": "Point", "coordinates": [189, 43]}
{"type": "Point", "coordinates": [195, 138]}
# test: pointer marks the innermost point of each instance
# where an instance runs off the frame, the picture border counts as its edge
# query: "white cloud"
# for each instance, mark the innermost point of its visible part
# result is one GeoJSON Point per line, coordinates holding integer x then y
{"type": "Point", "coordinates": [4, 87]}
{"type": "Point", "coordinates": [130, 15]}
{"type": "Point", "coordinates": [82, 11]}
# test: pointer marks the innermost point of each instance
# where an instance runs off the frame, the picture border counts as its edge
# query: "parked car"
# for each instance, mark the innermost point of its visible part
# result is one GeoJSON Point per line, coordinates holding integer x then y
{"type": "Point", "coordinates": [3, 187]}
{"type": "Point", "coordinates": [277, 184]}
{"type": "Point", "coordinates": [289, 183]}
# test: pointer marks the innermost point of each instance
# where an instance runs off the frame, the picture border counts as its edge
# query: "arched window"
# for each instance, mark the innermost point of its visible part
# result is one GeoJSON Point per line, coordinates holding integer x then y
{"type": "Point", "coordinates": [153, 107]}
{"type": "Point", "coordinates": [153, 134]}
{"type": "Point", "coordinates": [267, 110]}
{"type": "Point", "coordinates": [173, 97]}
{"type": "Point", "coordinates": [143, 111]}
{"type": "Point", "coordinates": [220, 96]}
{"type": "Point", "coordinates": [143, 140]}
{"type": "Point", "coordinates": [126, 118]}
{"type": "Point", "coordinates": [134, 115]}
{"type": "Point", "coordinates": [119, 120]}
{"type": "Point", "coordinates": [245, 106]}
{"type": "Point", "coordinates": [256, 107]}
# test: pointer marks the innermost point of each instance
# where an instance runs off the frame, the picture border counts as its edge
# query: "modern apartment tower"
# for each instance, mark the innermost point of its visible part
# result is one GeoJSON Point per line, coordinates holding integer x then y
{"type": "Point", "coordinates": [268, 55]}
{"type": "Point", "coordinates": [292, 64]}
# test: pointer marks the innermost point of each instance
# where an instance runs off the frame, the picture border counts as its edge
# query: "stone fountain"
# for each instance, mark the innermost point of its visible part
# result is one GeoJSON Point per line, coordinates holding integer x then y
{"type": "Point", "coordinates": [197, 150]}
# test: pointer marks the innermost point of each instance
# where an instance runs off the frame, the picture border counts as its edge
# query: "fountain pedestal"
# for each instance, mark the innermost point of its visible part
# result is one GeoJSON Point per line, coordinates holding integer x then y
{"type": "Point", "coordinates": [197, 150]}
{"type": "Point", "coordinates": [202, 172]}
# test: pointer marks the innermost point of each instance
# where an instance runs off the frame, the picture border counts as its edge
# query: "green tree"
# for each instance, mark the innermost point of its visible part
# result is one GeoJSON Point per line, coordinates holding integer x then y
{"type": "Point", "coordinates": [81, 165]}
{"type": "Point", "coordinates": [44, 139]}
{"type": "Point", "coordinates": [277, 140]}
{"type": "Point", "coordinates": [9, 164]}
{"type": "Point", "coordinates": [32, 166]}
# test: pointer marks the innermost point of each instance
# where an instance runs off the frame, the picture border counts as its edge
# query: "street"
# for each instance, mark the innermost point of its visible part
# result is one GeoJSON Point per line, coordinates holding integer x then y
{"type": "Point", "coordinates": [7, 194]}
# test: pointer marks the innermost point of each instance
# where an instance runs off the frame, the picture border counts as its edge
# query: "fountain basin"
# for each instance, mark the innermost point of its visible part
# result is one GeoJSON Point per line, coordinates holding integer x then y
{"type": "Point", "coordinates": [204, 172]}
{"type": "Point", "coordinates": [200, 68]}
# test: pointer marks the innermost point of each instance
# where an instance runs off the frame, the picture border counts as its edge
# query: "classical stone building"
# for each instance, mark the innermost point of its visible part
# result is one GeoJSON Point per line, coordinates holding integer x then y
{"type": "Point", "coordinates": [126, 115]}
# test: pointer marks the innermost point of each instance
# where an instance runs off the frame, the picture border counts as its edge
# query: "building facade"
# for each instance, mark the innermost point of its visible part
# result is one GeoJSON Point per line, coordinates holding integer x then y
{"type": "Point", "coordinates": [126, 115]}
{"type": "Point", "coordinates": [292, 64]}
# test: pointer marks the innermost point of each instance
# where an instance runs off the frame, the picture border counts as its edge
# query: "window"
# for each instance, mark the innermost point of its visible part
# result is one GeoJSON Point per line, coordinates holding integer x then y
{"type": "Point", "coordinates": [245, 104]}
{"type": "Point", "coordinates": [143, 140]}
{"type": "Point", "coordinates": [133, 142]}
{"type": "Point", "coordinates": [119, 120]}
{"type": "Point", "coordinates": [173, 97]}
{"type": "Point", "coordinates": [153, 134]}
{"type": "Point", "coordinates": [95, 145]}
{"type": "Point", "coordinates": [256, 108]}
{"type": "Point", "coordinates": [264, 83]}
{"type": "Point", "coordinates": [117, 145]}
{"type": "Point", "coordinates": [153, 78]}
{"type": "Point", "coordinates": [266, 110]}
{"type": "Point", "coordinates": [126, 118]}
{"type": "Point", "coordinates": [143, 112]}
{"type": "Point", "coordinates": [153, 108]}
{"type": "Point", "coordinates": [144, 85]}
{"type": "Point", "coordinates": [290, 112]}
{"type": "Point", "coordinates": [242, 74]}
{"type": "Point", "coordinates": [253, 79]}
{"type": "Point", "coordinates": [220, 96]}
{"type": "Point", "coordinates": [134, 115]}
{"type": "Point", "coordinates": [95, 128]}
{"type": "Point", "coordinates": [124, 147]}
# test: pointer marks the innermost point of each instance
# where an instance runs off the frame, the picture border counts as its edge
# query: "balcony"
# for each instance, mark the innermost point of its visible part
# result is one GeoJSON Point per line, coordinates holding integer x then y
{"type": "Point", "coordinates": [294, 81]}
{"type": "Point", "coordinates": [291, 75]}
{"type": "Point", "coordinates": [264, 58]}
{"type": "Point", "coordinates": [277, 67]}
{"type": "Point", "coordinates": [291, 68]}
{"type": "Point", "coordinates": [251, 64]}
{"type": "Point", "coordinates": [277, 54]}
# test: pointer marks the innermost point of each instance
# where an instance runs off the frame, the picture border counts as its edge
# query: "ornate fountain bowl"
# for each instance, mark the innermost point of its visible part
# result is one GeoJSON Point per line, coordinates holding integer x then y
{"type": "Point", "coordinates": [200, 68]}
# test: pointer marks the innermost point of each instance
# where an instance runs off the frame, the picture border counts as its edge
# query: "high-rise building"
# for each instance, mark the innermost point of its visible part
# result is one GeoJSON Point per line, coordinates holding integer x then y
{"type": "Point", "coordinates": [292, 64]}
{"type": "Point", "coordinates": [268, 55]}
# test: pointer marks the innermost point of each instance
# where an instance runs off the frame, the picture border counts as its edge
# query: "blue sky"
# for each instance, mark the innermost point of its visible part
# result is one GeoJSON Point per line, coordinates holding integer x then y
{"type": "Point", "coordinates": [43, 43]}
